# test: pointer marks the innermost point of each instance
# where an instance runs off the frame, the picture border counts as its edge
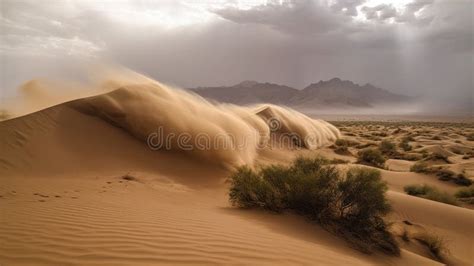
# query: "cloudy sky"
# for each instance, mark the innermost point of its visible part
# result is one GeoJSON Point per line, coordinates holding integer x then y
{"type": "Point", "coordinates": [414, 47]}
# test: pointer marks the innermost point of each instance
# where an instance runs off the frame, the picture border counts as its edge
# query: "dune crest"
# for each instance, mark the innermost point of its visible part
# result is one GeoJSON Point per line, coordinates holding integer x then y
{"type": "Point", "coordinates": [176, 120]}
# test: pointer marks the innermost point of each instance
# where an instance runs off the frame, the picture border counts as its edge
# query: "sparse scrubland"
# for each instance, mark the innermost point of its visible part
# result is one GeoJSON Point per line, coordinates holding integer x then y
{"type": "Point", "coordinates": [351, 205]}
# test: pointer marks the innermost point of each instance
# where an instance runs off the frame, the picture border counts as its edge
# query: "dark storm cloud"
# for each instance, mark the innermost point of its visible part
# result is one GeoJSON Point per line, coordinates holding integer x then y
{"type": "Point", "coordinates": [424, 49]}
{"type": "Point", "coordinates": [296, 17]}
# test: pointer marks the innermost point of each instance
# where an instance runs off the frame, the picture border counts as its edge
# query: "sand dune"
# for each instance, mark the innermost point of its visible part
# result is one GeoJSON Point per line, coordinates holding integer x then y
{"type": "Point", "coordinates": [64, 198]}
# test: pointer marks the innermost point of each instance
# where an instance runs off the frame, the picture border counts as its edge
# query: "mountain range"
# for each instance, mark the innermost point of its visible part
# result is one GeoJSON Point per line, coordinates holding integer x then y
{"type": "Point", "coordinates": [331, 93]}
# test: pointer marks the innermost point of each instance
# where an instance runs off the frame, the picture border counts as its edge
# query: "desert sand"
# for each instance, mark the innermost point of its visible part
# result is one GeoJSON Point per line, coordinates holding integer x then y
{"type": "Point", "coordinates": [79, 185]}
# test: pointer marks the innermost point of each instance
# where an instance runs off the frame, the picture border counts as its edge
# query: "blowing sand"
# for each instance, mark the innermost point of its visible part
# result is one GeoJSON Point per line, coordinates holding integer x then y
{"type": "Point", "coordinates": [80, 185]}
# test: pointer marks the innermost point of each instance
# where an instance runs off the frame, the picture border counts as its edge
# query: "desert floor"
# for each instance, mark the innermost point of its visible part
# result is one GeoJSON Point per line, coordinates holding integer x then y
{"type": "Point", "coordinates": [77, 190]}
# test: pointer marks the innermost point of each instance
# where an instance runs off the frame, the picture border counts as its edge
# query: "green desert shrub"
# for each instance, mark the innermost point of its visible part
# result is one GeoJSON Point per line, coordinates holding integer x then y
{"type": "Point", "coordinates": [462, 180]}
{"type": "Point", "coordinates": [431, 193]}
{"type": "Point", "coordinates": [465, 192]}
{"type": "Point", "coordinates": [417, 190]}
{"type": "Point", "coordinates": [387, 147]}
{"type": "Point", "coordinates": [350, 205]}
{"type": "Point", "coordinates": [435, 157]}
{"type": "Point", "coordinates": [420, 167]}
{"type": "Point", "coordinates": [445, 174]}
{"type": "Point", "coordinates": [341, 142]}
{"type": "Point", "coordinates": [371, 156]}
{"type": "Point", "coordinates": [341, 146]}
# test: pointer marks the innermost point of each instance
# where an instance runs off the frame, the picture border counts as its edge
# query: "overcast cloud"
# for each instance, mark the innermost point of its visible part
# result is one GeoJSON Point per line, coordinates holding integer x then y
{"type": "Point", "coordinates": [420, 47]}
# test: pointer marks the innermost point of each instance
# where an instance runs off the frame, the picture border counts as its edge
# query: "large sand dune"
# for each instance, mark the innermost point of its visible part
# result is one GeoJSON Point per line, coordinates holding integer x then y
{"type": "Point", "coordinates": [66, 197]}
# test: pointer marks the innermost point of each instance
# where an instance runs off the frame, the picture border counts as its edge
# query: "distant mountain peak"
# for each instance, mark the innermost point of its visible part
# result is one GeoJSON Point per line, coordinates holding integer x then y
{"type": "Point", "coordinates": [247, 83]}
{"type": "Point", "coordinates": [330, 93]}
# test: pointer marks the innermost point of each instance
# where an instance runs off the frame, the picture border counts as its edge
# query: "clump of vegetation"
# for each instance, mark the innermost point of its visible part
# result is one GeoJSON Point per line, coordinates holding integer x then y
{"type": "Point", "coordinates": [466, 194]}
{"type": "Point", "coordinates": [405, 144]}
{"type": "Point", "coordinates": [442, 173]}
{"type": "Point", "coordinates": [445, 174]}
{"type": "Point", "coordinates": [417, 190]}
{"type": "Point", "coordinates": [351, 207]}
{"type": "Point", "coordinates": [341, 142]}
{"type": "Point", "coordinates": [462, 180]}
{"type": "Point", "coordinates": [341, 146]}
{"type": "Point", "coordinates": [435, 157]}
{"type": "Point", "coordinates": [371, 156]}
{"type": "Point", "coordinates": [338, 161]}
{"type": "Point", "coordinates": [341, 150]}
{"type": "Point", "coordinates": [435, 244]}
{"type": "Point", "coordinates": [431, 193]}
{"type": "Point", "coordinates": [421, 167]}
{"type": "Point", "coordinates": [387, 147]}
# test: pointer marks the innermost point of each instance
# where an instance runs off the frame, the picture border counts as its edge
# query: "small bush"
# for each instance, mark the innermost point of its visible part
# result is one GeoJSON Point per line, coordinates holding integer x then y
{"type": "Point", "coordinates": [417, 190]}
{"type": "Point", "coordinates": [350, 206]}
{"type": "Point", "coordinates": [435, 156]}
{"type": "Point", "coordinates": [420, 167]}
{"type": "Point", "coordinates": [341, 150]}
{"type": "Point", "coordinates": [467, 192]}
{"type": "Point", "coordinates": [445, 174]}
{"type": "Point", "coordinates": [405, 145]}
{"type": "Point", "coordinates": [341, 146]}
{"type": "Point", "coordinates": [462, 180]}
{"type": "Point", "coordinates": [435, 244]}
{"type": "Point", "coordinates": [431, 193]}
{"type": "Point", "coordinates": [387, 147]}
{"type": "Point", "coordinates": [338, 161]}
{"type": "Point", "coordinates": [341, 142]}
{"type": "Point", "coordinates": [443, 197]}
{"type": "Point", "coordinates": [371, 156]}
